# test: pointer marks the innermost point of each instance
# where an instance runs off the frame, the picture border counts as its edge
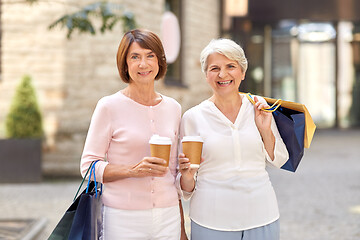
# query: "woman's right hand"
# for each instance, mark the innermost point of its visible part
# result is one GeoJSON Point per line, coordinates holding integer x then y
{"type": "Point", "coordinates": [184, 167]}
{"type": "Point", "coordinates": [187, 181]}
{"type": "Point", "coordinates": [149, 167]}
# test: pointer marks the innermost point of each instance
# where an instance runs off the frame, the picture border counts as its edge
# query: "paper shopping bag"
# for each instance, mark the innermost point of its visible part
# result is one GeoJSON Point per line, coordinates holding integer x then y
{"type": "Point", "coordinates": [309, 123]}
{"type": "Point", "coordinates": [83, 219]}
{"type": "Point", "coordinates": [295, 126]}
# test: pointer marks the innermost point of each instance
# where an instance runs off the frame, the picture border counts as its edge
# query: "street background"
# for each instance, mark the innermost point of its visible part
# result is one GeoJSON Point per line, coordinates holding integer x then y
{"type": "Point", "coordinates": [321, 201]}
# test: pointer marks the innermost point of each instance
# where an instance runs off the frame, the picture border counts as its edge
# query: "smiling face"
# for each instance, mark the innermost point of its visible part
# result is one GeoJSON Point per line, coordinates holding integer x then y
{"type": "Point", "coordinates": [142, 64]}
{"type": "Point", "coordinates": [223, 75]}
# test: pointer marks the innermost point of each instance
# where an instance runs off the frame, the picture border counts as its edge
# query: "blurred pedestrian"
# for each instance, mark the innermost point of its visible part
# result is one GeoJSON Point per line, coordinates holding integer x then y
{"type": "Point", "coordinates": [140, 198]}
{"type": "Point", "coordinates": [231, 193]}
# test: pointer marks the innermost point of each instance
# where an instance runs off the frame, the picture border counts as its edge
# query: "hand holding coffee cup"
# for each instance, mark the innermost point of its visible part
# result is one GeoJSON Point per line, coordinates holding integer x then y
{"type": "Point", "coordinates": [160, 147]}
{"type": "Point", "coordinates": [192, 148]}
{"type": "Point", "coordinates": [149, 166]}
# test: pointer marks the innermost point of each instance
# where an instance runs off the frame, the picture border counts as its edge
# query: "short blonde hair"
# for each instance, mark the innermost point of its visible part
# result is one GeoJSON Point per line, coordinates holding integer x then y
{"type": "Point", "coordinates": [226, 47]}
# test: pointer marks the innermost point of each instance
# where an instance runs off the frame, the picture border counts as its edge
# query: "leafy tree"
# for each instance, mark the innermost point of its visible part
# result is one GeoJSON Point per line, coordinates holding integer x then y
{"type": "Point", "coordinates": [24, 119]}
{"type": "Point", "coordinates": [82, 20]}
{"type": "Point", "coordinates": [109, 13]}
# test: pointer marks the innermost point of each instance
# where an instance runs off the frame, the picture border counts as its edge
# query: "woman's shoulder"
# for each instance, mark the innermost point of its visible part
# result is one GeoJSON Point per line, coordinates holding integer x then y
{"type": "Point", "coordinates": [197, 109]}
{"type": "Point", "coordinates": [261, 98]}
{"type": "Point", "coordinates": [105, 105]}
{"type": "Point", "coordinates": [171, 101]}
{"type": "Point", "coordinates": [113, 102]}
{"type": "Point", "coordinates": [109, 99]}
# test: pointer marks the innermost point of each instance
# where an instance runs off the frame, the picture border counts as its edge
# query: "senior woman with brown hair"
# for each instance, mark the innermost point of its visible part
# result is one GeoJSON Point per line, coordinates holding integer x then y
{"type": "Point", "coordinates": [231, 196]}
{"type": "Point", "coordinates": [140, 198]}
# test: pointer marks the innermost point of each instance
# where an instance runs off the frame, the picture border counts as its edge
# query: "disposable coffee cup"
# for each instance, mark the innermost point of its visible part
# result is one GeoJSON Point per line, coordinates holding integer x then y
{"type": "Point", "coordinates": [160, 147]}
{"type": "Point", "coordinates": [192, 148]}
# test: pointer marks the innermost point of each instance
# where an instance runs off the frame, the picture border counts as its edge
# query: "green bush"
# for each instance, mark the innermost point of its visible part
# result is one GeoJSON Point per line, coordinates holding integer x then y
{"type": "Point", "coordinates": [24, 119]}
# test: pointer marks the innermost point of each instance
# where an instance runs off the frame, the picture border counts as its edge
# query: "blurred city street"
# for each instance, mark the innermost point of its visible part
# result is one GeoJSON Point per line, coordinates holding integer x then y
{"type": "Point", "coordinates": [321, 201]}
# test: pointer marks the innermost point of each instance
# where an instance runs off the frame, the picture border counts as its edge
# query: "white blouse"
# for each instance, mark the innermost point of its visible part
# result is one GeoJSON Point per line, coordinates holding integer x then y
{"type": "Point", "coordinates": [233, 191]}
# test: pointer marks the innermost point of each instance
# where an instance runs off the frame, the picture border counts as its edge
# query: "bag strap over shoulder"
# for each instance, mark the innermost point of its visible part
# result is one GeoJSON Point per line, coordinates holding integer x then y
{"type": "Point", "coordinates": [272, 108]}
{"type": "Point", "coordinates": [309, 123]}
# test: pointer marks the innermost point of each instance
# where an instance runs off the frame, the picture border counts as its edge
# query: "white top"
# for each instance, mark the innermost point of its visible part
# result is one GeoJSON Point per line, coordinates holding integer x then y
{"type": "Point", "coordinates": [233, 191]}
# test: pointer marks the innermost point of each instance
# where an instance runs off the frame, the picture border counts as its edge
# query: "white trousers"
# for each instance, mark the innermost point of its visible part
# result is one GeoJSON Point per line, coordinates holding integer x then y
{"type": "Point", "coordinates": [152, 224]}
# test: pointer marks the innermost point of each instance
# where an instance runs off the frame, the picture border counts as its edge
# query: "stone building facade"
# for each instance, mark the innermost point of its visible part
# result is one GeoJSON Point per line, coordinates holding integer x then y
{"type": "Point", "coordinates": [70, 76]}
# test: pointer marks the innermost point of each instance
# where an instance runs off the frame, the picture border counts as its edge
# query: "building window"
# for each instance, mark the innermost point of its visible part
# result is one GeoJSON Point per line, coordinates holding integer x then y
{"type": "Point", "coordinates": [0, 40]}
{"type": "Point", "coordinates": [174, 73]}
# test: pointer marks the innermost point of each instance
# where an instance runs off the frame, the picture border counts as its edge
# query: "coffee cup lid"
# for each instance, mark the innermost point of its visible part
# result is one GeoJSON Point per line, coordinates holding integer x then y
{"type": "Point", "coordinates": [156, 139]}
{"type": "Point", "coordinates": [192, 139]}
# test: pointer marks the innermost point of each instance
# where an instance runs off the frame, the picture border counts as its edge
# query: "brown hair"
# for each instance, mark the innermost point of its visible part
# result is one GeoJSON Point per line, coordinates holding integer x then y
{"type": "Point", "coordinates": [146, 40]}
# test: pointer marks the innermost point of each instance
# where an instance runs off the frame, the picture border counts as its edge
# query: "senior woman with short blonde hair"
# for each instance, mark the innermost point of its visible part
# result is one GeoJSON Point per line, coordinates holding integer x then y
{"type": "Point", "coordinates": [231, 193]}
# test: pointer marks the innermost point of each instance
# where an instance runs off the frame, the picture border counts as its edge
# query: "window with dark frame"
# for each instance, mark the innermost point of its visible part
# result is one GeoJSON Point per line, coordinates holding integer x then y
{"type": "Point", "coordinates": [0, 39]}
{"type": "Point", "coordinates": [173, 75]}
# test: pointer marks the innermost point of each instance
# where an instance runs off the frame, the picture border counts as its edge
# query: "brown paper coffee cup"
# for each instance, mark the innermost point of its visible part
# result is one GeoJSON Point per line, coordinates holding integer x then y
{"type": "Point", "coordinates": [192, 148]}
{"type": "Point", "coordinates": [160, 147]}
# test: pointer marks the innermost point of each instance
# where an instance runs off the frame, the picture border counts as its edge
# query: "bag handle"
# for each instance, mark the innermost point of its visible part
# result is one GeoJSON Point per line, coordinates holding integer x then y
{"type": "Point", "coordinates": [92, 173]}
{"type": "Point", "coordinates": [272, 108]}
{"type": "Point", "coordinates": [92, 165]}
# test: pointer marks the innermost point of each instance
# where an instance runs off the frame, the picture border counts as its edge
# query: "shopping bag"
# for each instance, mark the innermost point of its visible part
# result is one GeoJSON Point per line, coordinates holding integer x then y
{"type": "Point", "coordinates": [295, 127]}
{"type": "Point", "coordinates": [309, 123]}
{"type": "Point", "coordinates": [83, 219]}
{"type": "Point", "coordinates": [291, 126]}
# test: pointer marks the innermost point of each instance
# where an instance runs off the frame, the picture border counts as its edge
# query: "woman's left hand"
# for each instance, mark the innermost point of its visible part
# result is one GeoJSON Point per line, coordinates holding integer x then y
{"type": "Point", "coordinates": [262, 118]}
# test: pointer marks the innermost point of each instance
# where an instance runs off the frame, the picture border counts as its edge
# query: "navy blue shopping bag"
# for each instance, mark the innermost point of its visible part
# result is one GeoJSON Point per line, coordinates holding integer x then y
{"type": "Point", "coordinates": [291, 126]}
{"type": "Point", "coordinates": [83, 219]}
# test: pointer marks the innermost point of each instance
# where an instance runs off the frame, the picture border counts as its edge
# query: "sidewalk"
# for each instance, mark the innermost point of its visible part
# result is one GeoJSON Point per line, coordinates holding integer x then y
{"type": "Point", "coordinates": [321, 201]}
{"type": "Point", "coordinates": [45, 201]}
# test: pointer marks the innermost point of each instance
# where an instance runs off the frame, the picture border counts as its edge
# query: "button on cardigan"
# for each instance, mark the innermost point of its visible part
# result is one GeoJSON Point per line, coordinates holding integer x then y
{"type": "Point", "coordinates": [119, 133]}
{"type": "Point", "coordinates": [233, 191]}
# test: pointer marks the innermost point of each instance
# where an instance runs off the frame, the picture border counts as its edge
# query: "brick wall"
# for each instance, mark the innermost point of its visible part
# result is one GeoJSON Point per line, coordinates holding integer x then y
{"type": "Point", "coordinates": [71, 75]}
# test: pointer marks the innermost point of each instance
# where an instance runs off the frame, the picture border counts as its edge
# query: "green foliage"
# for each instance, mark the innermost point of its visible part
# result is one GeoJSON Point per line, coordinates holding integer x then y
{"type": "Point", "coordinates": [24, 119]}
{"type": "Point", "coordinates": [108, 13]}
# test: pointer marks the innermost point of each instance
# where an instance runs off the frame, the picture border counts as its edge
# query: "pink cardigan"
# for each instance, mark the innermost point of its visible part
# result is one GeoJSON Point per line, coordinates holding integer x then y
{"type": "Point", "coordinates": [119, 133]}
